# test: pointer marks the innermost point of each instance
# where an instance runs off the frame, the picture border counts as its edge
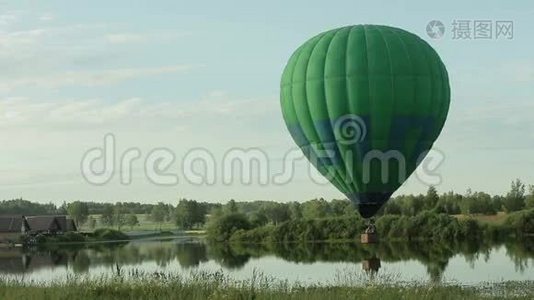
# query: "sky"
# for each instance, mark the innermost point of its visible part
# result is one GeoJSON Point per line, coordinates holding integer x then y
{"type": "Point", "coordinates": [203, 77]}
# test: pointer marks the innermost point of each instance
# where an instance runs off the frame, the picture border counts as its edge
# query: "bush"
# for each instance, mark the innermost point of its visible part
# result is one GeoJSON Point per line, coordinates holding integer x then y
{"type": "Point", "coordinates": [222, 228]}
{"type": "Point", "coordinates": [71, 237]}
{"type": "Point", "coordinates": [426, 225]}
{"type": "Point", "coordinates": [106, 234]}
{"type": "Point", "coordinates": [522, 221]}
{"type": "Point", "coordinates": [342, 228]}
{"type": "Point", "coordinates": [255, 236]}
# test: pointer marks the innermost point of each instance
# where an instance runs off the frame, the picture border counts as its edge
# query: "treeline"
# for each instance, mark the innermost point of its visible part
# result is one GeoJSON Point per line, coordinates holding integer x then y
{"type": "Point", "coordinates": [25, 207]}
{"type": "Point", "coordinates": [260, 213]}
{"type": "Point", "coordinates": [189, 214]}
{"type": "Point", "coordinates": [469, 203]}
{"type": "Point", "coordinates": [427, 225]}
{"type": "Point", "coordinates": [407, 216]}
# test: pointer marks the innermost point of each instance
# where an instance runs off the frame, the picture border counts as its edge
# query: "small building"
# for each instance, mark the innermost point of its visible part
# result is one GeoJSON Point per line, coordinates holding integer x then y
{"type": "Point", "coordinates": [62, 221]}
{"type": "Point", "coordinates": [44, 224]}
{"type": "Point", "coordinates": [51, 224]}
{"type": "Point", "coordinates": [12, 228]}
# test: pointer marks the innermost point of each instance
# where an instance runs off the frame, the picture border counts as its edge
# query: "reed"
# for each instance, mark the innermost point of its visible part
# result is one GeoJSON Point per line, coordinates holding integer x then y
{"type": "Point", "coordinates": [134, 284]}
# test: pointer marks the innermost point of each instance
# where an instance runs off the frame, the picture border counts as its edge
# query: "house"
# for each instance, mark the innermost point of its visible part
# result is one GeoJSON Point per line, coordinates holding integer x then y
{"type": "Point", "coordinates": [50, 224]}
{"type": "Point", "coordinates": [12, 228]}
{"type": "Point", "coordinates": [44, 224]}
{"type": "Point", "coordinates": [62, 221]}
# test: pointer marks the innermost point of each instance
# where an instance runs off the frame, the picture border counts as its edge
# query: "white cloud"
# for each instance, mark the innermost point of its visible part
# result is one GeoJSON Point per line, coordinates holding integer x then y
{"type": "Point", "coordinates": [221, 103]}
{"type": "Point", "coordinates": [43, 49]}
{"type": "Point", "coordinates": [23, 112]}
{"type": "Point", "coordinates": [47, 17]}
{"type": "Point", "coordinates": [89, 78]}
{"type": "Point", "coordinates": [42, 57]}
{"type": "Point", "coordinates": [121, 38]}
{"type": "Point", "coordinates": [8, 18]}
{"type": "Point", "coordinates": [12, 17]}
{"type": "Point", "coordinates": [128, 37]}
{"type": "Point", "coordinates": [17, 112]}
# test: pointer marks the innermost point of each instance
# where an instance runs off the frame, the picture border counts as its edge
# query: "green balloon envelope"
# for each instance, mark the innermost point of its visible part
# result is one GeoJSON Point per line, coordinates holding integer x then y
{"type": "Point", "coordinates": [365, 103]}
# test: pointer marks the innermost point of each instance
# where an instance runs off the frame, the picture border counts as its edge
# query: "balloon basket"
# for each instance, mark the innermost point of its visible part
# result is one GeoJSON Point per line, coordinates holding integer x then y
{"type": "Point", "coordinates": [369, 238]}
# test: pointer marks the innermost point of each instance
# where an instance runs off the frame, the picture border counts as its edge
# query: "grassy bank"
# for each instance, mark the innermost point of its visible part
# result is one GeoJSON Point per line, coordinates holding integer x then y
{"type": "Point", "coordinates": [219, 286]}
{"type": "Point", "coordinates": [99, 235]}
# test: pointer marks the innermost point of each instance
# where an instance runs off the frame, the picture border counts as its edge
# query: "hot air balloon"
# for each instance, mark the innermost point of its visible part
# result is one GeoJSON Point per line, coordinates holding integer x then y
{"type": "Point", "coordinates": [365, 103]}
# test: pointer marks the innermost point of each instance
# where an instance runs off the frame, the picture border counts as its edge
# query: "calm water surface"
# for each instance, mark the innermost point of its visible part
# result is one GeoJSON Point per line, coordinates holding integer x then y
{"type": "Point", "coordinates": [468, 263]}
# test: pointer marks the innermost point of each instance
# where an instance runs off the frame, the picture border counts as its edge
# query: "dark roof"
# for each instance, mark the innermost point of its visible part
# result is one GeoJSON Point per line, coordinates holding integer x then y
{"type": "Point", "coordinates": [71, 226]}
{"type": "Point", "coordinates": [43, 223]}
{"type": "Point", "coordinates": [62, 221]}
{"type": "Point", "coordinates": [11, 223]}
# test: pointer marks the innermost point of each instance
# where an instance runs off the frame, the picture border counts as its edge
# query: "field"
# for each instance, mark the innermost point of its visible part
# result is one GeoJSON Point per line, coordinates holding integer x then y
{"type": "Point", "coordinates": [218, 286]}
{"type": "Point", "coordinates": [145, 224]}
{"type": "Point", "coordinates": [496, 219]}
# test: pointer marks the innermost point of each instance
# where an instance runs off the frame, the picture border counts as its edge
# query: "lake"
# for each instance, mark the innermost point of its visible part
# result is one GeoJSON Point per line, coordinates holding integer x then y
{"type": "Point", "coordinates": [466, 263]}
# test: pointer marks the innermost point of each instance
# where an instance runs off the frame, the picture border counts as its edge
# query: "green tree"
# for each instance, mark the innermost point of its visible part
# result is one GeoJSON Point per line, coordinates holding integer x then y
{"type": "Point", "coordinates": [515, 199]}
{"type": "Point", "coordinates": [159, 213]}
{"type": "Point", "coordinates": [258, 218]}
{"type": "Point", "coordinates": [216, 212]}
{"type": "Point", "coordinates": [497, 202]}
{"type": "Point", "coordinates": [485, 203]}
{"type": "Point", "coordinates": [107, 218]}
{"type": "Point", "coordinates": [189, 213]}
{"type": "Point", "coordinates": [529, 200]}
{"type": "Point", "coordinates": [392, 208]}
{"type": "Point", "coordinates": [78, 211]}
{"type": "Point", "coordinates": [431, 198]}
{"type": "Point", "coordinates": [315, 209]}
{"type": "Point", "coordinates": [119, 216]}
{"type": "Point", "coordinates": [131, 220]}
{"type": "Point", "coordinates": [91, 221]}
{"type": "Point", "coordinates": [276, 212]}
{"type": "Point", "coordinates": [220, 229]}
{"type": "Point", "coordinates": [25, 207]}
{"type": "Point", "coordinates": [412, 205]}
{"type": "Point", "coordinates": [62, 210]}
{"type": "Point", "coordinates": [231, 207]}
{"type": "Point", "coordinates": [295, 211]}
{"type": "Point", "coordinates": [477, 203]}
{"type": "Point", "coordinates": [339, 207]}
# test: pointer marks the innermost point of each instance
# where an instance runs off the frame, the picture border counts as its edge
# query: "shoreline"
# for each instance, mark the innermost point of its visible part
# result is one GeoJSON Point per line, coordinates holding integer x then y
{"type": "Point", "coordinates": [218, 285]}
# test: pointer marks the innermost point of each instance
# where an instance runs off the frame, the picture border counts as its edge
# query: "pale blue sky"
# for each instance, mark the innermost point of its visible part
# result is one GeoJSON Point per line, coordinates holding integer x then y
{"type": "Point", "coordinates": [183, 74]}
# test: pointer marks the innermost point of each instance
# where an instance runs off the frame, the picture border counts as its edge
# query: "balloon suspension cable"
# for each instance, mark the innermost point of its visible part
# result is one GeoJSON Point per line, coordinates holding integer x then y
{"type": "Point", "coordinates": [370, 226]}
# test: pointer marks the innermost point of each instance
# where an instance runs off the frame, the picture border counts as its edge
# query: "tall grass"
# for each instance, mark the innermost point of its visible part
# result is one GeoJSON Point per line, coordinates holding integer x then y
{"type": "Point", "coordinates": [217, 285]}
